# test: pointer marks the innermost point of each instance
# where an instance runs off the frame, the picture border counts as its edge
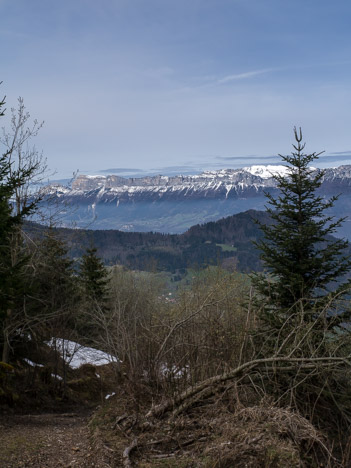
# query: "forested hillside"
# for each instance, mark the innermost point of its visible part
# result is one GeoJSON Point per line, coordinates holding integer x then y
{"type": "Point", "coordinates": [226, 242]}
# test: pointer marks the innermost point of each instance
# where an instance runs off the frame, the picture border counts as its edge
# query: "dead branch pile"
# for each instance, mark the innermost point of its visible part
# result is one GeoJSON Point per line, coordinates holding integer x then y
{"type": "Point", "coordinates": [215, 436]}
{"type": "Point", "coordinates": [267, 436]}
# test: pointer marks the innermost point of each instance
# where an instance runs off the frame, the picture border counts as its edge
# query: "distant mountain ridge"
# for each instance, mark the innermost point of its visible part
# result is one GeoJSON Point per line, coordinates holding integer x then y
{"type": "Point", "coordinates": [225, 180]}
{"type": "Point", "coordinates": [173, 204]}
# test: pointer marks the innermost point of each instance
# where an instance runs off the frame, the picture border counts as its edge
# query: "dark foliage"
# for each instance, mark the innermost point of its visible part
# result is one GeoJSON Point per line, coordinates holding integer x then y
{"type": "Point", "coordinates": [12, 259]}
{"type": "Point", "coordinates": [93, 276]}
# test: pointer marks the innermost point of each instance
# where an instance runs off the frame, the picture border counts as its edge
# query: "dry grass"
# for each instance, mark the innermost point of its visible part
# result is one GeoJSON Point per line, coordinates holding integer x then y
{"type": "Point", "coordinates": [267, 436]}
{"type": "Point", "coordinates": [218, 433]}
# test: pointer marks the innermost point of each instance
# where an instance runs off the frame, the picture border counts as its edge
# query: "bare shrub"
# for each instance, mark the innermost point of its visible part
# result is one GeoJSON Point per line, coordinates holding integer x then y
{"type": "Point", "coordinates": [207, 328]}
{"type": "Point", "coordinates": [169, 345]}
{"type": "Point", "coordinates": [127, 327]}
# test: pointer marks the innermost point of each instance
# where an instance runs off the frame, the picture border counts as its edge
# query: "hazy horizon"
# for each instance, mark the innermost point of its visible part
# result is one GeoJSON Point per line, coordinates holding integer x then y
{"type": "Point", "coordinates": [322, 162]}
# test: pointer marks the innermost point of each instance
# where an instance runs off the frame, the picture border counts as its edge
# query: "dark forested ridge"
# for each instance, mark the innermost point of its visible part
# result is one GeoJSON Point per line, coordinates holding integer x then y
{"type": "Point", "coordinates": [227, 242]}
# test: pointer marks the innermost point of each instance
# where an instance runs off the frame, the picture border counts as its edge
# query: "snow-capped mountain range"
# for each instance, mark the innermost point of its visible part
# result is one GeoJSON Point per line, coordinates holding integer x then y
{"type": "Point", "coordinates": [172, 204]}
{"type": "Point", "coordinates": [231, 179]}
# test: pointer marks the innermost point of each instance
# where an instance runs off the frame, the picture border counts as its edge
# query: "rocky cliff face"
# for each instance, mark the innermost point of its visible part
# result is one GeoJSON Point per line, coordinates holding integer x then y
{"type": "Point", "coordinates": [230, 179]}
{"type": "Point", "coordinates": [226, 182]}
{"type": "Point", "coordinates": [172, 204]}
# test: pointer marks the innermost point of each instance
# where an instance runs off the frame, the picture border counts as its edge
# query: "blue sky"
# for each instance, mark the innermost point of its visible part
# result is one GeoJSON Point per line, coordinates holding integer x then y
{"type": "Point", "coordinates": [179, 85]}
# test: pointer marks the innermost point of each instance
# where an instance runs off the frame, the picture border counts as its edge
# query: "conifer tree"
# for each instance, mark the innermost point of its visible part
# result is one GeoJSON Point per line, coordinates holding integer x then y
{"type": "Point", "coordinates": [56, 290]}
{"type": "Point", "coordinates": [11, 263]}
{"type": "Point", "coordinates": [298, 250]}
{"type": "Point", "coordinates": [94, 276]}
{"type": "Point", "coordinates": [94, 280]}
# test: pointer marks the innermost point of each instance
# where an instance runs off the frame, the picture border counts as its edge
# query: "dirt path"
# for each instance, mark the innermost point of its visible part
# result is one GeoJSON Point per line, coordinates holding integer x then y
{"type": "Point", "coordinates": [47, 440]}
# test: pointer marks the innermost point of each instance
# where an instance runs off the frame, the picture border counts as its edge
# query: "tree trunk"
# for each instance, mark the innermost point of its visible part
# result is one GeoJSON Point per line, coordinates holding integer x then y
{"type": "Point", "coordinates": [6, 347]}
{"type": "Point", "coordinates": [6, 338]}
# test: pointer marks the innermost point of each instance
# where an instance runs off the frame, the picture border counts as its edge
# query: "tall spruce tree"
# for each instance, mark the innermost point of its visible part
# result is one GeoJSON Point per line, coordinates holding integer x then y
{"type": "Point", "coordinates": [302, 258]}
{"type": "Point", "coordinates": [94, 276]}
{"type": "Point", "coordinates": [56, 288]}
{"type": "Point", "coordinates": [94, 281]}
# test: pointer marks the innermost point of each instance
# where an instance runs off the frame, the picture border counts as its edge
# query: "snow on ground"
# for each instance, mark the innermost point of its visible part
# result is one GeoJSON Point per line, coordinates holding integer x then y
{"type": "Point", "coordinates": [174, 371]}
{"type": "Point", "coordinates": [76, 355]}
{"type": "Point", "coordinates": [31, 363]}
{"type": "Point", "coordinates": [56, 376]}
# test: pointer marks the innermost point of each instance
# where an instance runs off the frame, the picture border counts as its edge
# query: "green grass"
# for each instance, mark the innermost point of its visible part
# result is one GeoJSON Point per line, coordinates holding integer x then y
{"type": "Point", "coordinates": [227, 247]}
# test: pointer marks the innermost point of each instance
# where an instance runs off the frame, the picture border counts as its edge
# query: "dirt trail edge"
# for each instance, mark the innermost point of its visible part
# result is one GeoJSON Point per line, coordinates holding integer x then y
{"type": "Point", "coordinates": [49, 440]}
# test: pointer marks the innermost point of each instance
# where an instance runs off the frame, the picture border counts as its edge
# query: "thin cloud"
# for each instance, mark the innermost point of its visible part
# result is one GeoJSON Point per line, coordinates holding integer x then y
{"type": "Point", "coordinates": [240, 158]}
{"type": "Point", "coordinates": [174, 168]}
{"type": "Point", "coordinates": [243, 76]}
{"type": "Point", "coordinates": [246, 75]}
{"type": "Point", "coordinates": [335, 158]}
{"type": "Point", "coordinates": [121, 169]}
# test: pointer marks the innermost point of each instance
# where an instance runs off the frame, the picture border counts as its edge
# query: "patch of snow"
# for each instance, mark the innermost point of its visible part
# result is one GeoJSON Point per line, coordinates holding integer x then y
{"type": "Point", "coordinates": [266, 172]}
{"type": "Point", "coordinates": [174, 371]}
{"type": "Point", "coordinates": [31, 363]}
{"type": "Point", "coordinates": [76, 355]}
{"type": "Point", "coordinates": [55, 189]}
{"type": "Point", "coordinates": [58, 377]}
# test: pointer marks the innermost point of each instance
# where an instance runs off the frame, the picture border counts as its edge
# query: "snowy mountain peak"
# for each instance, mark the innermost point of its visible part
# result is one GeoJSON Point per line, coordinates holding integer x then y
{"type": "Point", "coordinates": [266, 172]}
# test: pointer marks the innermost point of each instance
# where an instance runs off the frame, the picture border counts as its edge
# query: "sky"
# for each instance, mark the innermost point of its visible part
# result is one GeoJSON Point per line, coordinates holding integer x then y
{"type": "Point", "coordinates": [178, 86]}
